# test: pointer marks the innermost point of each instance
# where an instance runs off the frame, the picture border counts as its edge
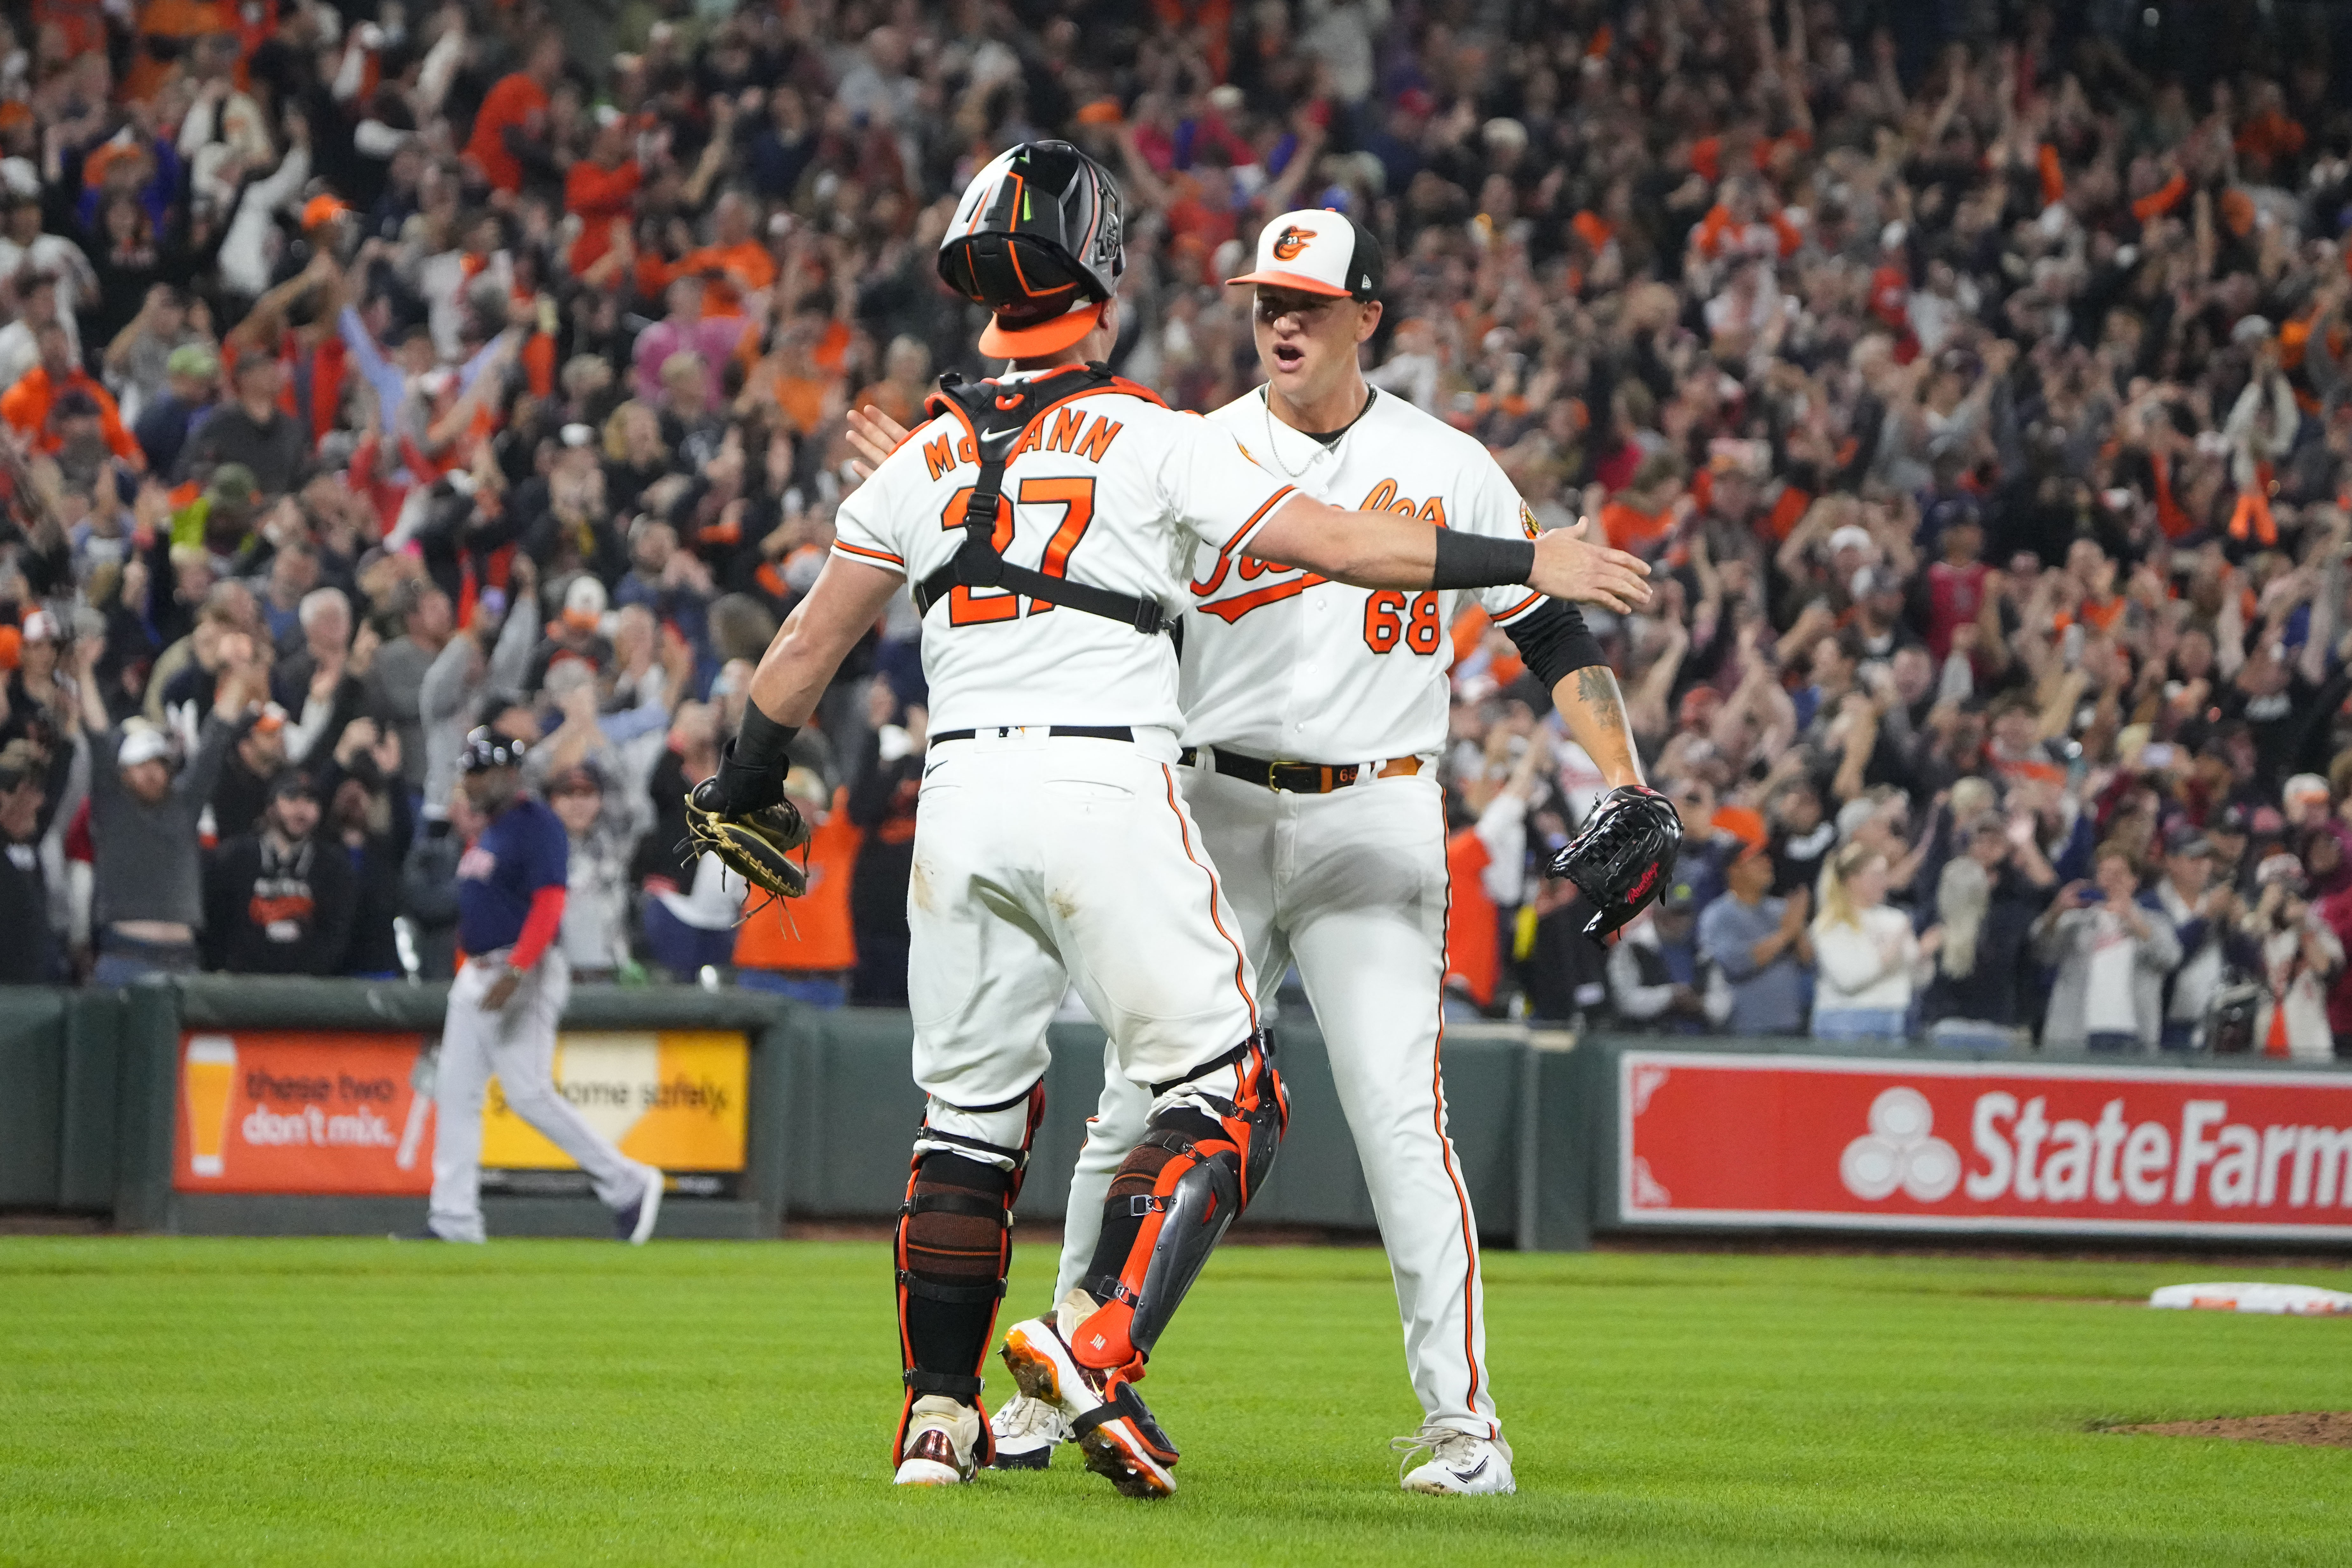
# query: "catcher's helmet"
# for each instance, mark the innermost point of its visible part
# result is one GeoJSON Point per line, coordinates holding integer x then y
{"type": "Point", "coordinates": [487, 749]}
{"type": "Point", "coordinates": [1039, 240]}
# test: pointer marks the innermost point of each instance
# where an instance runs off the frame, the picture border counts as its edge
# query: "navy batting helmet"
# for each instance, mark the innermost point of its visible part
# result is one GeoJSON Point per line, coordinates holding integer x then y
{"type": "Point", "coordinates": [487, 749]}
{"type": "Point", "coordinates": [1039, 238]}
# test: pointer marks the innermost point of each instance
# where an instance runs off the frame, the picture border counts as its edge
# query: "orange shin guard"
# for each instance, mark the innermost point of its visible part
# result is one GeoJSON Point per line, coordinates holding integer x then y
{"type": "Point", "coordinates": [1197, 1168]}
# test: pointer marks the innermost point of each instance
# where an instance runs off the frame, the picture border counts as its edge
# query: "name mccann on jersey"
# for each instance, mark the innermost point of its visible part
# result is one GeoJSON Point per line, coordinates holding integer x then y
{"type": "Point", "coordinates": [1383, 497]}
{"type": "Point", "coordinates": [1068, 423]}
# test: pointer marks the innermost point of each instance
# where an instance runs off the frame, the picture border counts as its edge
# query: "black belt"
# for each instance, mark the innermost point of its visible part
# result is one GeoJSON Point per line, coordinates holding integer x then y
{"type": "Point", "coordinates": [1078, 732]}
{"type": "Point", "coordinates": [1294, 778]}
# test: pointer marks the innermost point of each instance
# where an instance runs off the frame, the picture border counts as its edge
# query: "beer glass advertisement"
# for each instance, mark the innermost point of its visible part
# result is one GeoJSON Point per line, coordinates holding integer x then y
{"type": "Point", "coordinates": [351, 1114]}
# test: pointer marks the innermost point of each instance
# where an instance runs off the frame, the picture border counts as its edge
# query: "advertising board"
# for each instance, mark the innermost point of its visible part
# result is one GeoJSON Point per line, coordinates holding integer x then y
{"type": "Point", "coordinates": [1727, 1140]}
{"type": "Point", "coordinates": [339, 1113]}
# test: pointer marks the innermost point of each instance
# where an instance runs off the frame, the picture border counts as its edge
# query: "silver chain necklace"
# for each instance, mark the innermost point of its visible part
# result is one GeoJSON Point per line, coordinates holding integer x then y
{"type": "Point", "coordinates": [1274, 448]}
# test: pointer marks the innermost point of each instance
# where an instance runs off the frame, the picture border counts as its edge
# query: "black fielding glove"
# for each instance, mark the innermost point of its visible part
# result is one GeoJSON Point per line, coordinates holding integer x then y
{"type": "Point", "coordinates": [1622, 859]}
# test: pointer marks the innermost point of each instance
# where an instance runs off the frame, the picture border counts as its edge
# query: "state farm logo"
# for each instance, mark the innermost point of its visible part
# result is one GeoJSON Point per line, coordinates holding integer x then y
{"type": "Point", "coordinates": [1900, 1153]}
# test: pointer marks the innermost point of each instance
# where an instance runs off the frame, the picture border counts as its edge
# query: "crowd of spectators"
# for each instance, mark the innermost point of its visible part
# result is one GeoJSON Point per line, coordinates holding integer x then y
{"type": "Point", "coordinates": [1974, 375]}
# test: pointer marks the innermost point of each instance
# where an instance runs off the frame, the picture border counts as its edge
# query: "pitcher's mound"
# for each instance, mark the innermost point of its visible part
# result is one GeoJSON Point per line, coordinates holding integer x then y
{"type": "Point", "coordinates": [2319, 1429]}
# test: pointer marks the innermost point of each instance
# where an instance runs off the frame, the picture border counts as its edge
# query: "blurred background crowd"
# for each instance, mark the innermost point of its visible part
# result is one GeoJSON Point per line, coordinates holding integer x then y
{"type": "Point", "coordinates": [1974, 374]}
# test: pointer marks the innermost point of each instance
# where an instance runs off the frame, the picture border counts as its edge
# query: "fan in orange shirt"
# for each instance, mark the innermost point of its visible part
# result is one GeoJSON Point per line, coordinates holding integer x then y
{"type": "Point", "coordinates": [56, 390]}
{"type": "Point", "coordinates": [735, 263]}
{"type": "Point", "coordinates": [517, 102]}
{"type": "Point", "coordinates": [1644, 512]}
{"type": "Point", "coordinates": [601, 190]}
{"type": "Point", "coordinates": [807, 953]}
{"type": "Point", "coordinates": [169, 23]}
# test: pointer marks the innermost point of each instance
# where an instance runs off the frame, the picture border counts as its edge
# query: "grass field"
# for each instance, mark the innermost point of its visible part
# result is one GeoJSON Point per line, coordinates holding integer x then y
{"type": "Point", "coordinates": [310, 1402]}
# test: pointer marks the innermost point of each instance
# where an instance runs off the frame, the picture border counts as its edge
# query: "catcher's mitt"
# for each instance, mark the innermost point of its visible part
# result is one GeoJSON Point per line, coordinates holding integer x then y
{"type": "Point", "coordinates": [1621, 859]}
{"type": "Point", "coordinates": [756, 845]}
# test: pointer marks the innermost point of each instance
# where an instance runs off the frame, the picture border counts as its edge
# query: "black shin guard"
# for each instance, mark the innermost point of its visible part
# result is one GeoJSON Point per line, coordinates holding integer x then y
{"type": "Point", "coordinates": [954, 1248]}
{"type": "Point", "coordinates": [952, 1254]}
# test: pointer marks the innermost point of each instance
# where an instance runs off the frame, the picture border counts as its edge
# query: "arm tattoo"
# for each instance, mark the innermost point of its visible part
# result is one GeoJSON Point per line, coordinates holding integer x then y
{"type": "Point", "coordinates": [1596, 687]}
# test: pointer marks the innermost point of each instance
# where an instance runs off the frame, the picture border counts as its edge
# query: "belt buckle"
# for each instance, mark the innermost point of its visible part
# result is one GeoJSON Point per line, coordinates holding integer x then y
{"type": "Point", "coordinates": [1275, 771]}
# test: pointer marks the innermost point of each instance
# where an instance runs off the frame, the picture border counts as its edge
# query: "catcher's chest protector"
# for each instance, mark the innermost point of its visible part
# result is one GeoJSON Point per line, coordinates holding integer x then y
{"type": "Point", "coordinates": [997, 416]}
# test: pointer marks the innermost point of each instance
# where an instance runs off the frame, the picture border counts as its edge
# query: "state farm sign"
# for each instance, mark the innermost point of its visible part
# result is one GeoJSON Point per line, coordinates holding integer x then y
{"type": "Point", "coordinates": [1715, 1138]}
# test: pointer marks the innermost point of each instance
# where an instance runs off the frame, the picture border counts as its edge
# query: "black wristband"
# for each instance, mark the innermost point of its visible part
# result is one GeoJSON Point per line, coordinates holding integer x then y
{"type": "Point", "coordinates": [1476, 561]}
{"type": "Point", "coordinates": [763, 744]}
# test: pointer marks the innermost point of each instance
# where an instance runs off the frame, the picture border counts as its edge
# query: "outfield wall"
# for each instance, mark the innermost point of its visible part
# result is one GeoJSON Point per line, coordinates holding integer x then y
{"type": "Point", "coordinates": [266, 1107]}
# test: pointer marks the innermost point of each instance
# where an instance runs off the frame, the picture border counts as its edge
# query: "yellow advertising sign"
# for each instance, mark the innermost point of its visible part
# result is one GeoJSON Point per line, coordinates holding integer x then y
{"type": "Point", "coordinates": [674, 1099]}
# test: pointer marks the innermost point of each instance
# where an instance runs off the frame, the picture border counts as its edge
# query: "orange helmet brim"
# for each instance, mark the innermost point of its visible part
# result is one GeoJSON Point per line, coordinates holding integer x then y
{"type": "Point", "coordinates": [1048, 337]}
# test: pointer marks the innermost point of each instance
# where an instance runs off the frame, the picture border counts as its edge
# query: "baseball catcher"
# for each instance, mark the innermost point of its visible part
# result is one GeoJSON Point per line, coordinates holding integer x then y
{"type": "Point", "coordinates": [1620, 860]}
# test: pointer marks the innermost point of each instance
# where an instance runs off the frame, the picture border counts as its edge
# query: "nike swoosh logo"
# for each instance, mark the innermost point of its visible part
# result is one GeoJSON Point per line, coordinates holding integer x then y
{"type": "Point", "coordinates": [999, 435]}
{"type": "Point", "coordinates": [934, 767]}
{"type": "Point", "coordinates": [1471, 1475]}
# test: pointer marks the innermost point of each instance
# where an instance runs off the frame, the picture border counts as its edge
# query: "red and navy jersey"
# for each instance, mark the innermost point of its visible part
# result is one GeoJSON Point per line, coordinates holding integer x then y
{"type": "Point", "coordinates": [522, 851]}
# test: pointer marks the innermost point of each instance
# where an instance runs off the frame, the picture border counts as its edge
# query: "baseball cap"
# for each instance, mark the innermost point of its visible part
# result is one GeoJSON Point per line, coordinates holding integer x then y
{"type": "Point", "coordinates": [192, 359]}
{"type": "Point", "coordinates": [2187, 840]}
{"type": "Point", "coordinates": [583, 777]}
{"type": "Point", "coordinates": [2300, 785]}
{"type": "Point", "coordinates": [1869, 580]}
{"type": "Point", "coordinates": [1318, 251]}
{"type": "Point", "coordinates": [145, 744]}
{"type": "Point", "coordinates": [322, 210]}
{"type": "Point", "coordinates": [20, 764]}
{"type": "Point", "coordinates": [1678, 899]}
{"type": "Point", "coordinates": [2238, 819]}
{"type": "Point", "coordinates": [1744, 823]}
{"type": "Point", "coordinates": [1851, 536]}
{"type": "Point", "coordinates": [292, 781]}
{"type": "Point", "coordinates": [2279, 868]}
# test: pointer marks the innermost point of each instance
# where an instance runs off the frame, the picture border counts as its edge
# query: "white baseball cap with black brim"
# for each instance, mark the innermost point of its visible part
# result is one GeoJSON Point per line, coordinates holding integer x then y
{"type": "Point", "coordinates": [1318, 251]}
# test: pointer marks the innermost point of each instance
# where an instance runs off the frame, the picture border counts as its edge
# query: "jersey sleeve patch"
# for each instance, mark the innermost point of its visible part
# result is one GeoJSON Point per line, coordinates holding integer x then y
{"type": "Point", "coordinates": [1527, 521]}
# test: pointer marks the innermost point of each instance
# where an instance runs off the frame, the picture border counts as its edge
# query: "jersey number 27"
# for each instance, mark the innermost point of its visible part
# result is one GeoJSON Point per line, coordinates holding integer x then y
{"type": "Point", "coordinates": [1077, 499]}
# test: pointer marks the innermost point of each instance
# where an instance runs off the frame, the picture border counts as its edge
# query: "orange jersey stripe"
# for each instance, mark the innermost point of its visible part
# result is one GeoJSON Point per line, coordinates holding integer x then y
{"type": "Point", "coordinates": [1244, 532]}
{"type": "Point", "coordinates": [1241, 964]}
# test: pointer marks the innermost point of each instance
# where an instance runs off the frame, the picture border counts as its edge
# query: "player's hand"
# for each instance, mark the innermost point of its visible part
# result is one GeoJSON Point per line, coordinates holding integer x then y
{"type": "Point", "coordinates": [876, 435]}
{"type": "Point", "coordinates": [1569, 567]}
{"type": "Point", "coordinates": [502, 990]}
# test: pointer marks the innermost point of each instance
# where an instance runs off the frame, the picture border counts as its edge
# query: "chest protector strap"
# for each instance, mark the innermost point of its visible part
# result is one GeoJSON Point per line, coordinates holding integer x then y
{"type": "Point", "coordinates": [997, 416]}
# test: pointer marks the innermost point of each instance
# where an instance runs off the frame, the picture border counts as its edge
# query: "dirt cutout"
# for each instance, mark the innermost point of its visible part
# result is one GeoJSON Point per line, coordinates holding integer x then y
{"type": "Point", "coordinates": [2313, 1429]}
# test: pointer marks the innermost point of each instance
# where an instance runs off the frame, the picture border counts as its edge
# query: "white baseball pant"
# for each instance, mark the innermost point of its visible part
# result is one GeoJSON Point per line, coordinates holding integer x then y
{"type": "Point", "coordinates": [1352, 885]}
{"type": "Point", "coordinates": [1046, 862]}
{"type": "Point", "coordinates": [518, 1044]}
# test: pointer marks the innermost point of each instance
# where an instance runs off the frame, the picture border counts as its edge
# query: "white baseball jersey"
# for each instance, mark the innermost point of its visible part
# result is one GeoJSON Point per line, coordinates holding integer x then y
{"type": "Point", "coordinates": [1107, 488]}
{"type": "Point", "coordinates": [1288, 664]}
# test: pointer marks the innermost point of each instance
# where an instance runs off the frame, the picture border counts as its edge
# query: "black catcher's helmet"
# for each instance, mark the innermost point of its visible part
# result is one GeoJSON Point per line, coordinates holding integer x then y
{"type": "Point", "coordinates": [487, 749]}
{"type": "Point", "coordinates": [1039, 238]}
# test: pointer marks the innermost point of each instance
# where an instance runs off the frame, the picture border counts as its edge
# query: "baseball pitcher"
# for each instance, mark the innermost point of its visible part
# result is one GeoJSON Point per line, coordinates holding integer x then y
{"type": "Point", "coordinates": [1045, 520]}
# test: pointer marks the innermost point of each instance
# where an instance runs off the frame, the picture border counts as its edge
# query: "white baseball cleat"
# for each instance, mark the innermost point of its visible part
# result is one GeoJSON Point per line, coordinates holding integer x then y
{"type": "Point", "coordinates": [1113, 1428]}
{"type": "Point", "coordinates": [1027, 1431]}
{"type": "Point", "coordinates": [937, 1447]}
{"type": "Point", "coordinates": [1461, 1464]}
{"type": "Point", "coordinates": [634, 1224]}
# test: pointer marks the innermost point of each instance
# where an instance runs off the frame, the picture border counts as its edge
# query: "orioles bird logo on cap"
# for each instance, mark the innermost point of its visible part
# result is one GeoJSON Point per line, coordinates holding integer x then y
{"type": "Point", "coordinates": [1290, 242]}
